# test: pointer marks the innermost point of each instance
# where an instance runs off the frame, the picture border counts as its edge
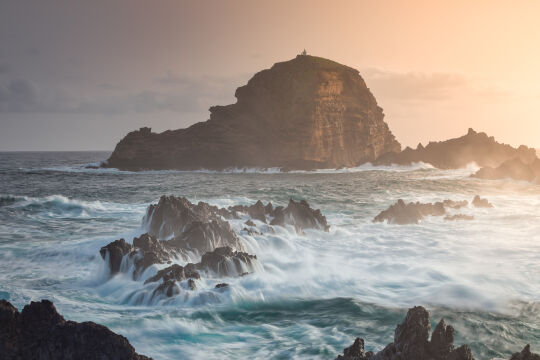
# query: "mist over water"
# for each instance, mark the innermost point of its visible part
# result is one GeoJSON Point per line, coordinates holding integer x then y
{"type": "Point", "coordinates": [310, 294]}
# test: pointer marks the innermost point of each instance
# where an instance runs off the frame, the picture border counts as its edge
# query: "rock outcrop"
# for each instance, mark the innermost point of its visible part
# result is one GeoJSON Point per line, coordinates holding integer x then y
{"type": "Point", "coordinates": [39, 332]}
{"type": "Point", "coordinates": [516, 169]}
{"type": "Point", "coordinates": [226, 262]}
{"type": "Point", "coordinates": [411, 342]}
{"type": "Point", "coordinates": [305, 113]}
{"type": "Point", "coordinates": [525, 354]}
{"type": "Point", "coordinates": [474, 147]}
{"type": "Point", "coordinates": [402, 213]}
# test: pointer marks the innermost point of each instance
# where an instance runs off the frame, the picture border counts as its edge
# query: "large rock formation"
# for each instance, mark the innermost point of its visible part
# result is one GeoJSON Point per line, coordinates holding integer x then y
{"type": "Point", "coordinates": [459, 152]}
{"type": "Point", "coordinates": [308, 112]}
{"type": "Point", "coordinates": [39, 332]}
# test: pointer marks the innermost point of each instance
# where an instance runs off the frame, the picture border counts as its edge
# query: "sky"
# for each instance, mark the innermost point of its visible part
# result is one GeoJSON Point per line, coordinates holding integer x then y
{"type": "Point", "coordinates": [79, 75]}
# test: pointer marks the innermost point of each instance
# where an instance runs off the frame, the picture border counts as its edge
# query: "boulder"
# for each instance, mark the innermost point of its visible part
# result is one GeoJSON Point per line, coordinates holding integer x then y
{"type": "Point", "coordinates": [114, 253]}
{"type": "Point", "coordinates": [300, 215]}
{"type": "Point", "coordinates": [39, 332]}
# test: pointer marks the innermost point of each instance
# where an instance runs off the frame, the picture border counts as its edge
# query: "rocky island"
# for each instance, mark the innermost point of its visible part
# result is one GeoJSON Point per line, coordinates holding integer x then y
{"type": "Point", "coordinates": [305, 113]}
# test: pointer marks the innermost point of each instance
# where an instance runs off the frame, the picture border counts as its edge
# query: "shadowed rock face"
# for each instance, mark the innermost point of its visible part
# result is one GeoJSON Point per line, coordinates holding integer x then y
{"type": "Point", "coordinates": [39, 332]}
{"type": "Point", "coordinates": [525, 354]}
{"type": "Point", "coordinates": [515, 169]}
{"type": "Point", "coordinates": [459, 152]}
{"type": "Point", "coordinates": [481, 203]}
{"type": "Point", "coordinates": [305, 113]}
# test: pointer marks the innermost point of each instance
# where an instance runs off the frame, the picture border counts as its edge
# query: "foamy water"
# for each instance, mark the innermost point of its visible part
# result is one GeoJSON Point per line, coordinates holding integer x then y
{"type": "Point", "coordinates": [310, 295]}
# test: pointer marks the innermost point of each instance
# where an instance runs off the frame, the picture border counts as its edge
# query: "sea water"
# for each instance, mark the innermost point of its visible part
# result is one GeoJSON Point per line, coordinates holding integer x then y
{"type": "Point", "coordinates": [313, 293]}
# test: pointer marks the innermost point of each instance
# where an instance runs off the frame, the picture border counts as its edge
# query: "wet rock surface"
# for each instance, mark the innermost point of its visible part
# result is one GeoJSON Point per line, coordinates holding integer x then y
{"type": "Point", "coordinates": [525, 354]}
{"type": "Point", "coordinates": [39, 332]}
{"type": "Point", "coordinates": [474, 147]}
{"type": "Point", "coordinates": [227, 262]}
{"type": "Point", "coordinates": [305, 113]}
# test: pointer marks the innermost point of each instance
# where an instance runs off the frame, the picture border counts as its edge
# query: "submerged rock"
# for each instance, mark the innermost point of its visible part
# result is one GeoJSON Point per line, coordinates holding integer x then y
{"type": "Point", "coordinates": [305, 113]}
{"type": "Point", "coordinates": [457, 153]}
{"type": "Point", "coordinates": [39, 332]}
{"type": "Point", "coordinates": [226, 262]}
{"type": "Point", "coordinates": [515, 168]}
{"type": "Point", "coordinates": [411, 342]}
{"type": "Point", "coordinates": [401, 213]}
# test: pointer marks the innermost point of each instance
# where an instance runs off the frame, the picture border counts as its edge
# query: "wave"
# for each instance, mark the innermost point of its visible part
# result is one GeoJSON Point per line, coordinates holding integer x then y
{"type": "Point", "coordinates": [93, 168]}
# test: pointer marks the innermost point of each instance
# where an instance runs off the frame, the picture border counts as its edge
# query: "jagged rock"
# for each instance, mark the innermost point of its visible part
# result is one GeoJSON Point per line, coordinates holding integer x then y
{"type": "Point", "coordinates": [481, 203]}
{"type": "Point", "coordinates": [401, 213]}
{"type": "Point", "coordinates": [149, 251]}
{"type": "Point", "coordinates": [250, 223]}
{"type": "Point", "coordinates": [115, 252]}
{"type": "Point", "coordinates": [411, 342]}
{"type": "Point", "coordinates": [39, 332]}
{"type": "Point", "coordinates": [226, 262]}
{"type": "Point", "coordinates": [458, 217]}
{"type": "Point", "coordinates": [525, 354]}
{"type": "Point", "coordinates": [515, 168]}
{"type": "Point", "coordinates": [459, 152]}
{"type": "Point", "coordinates": [221, 285]}
{"type": "Point", "coordinates": [300, 215]}
{"type": "Point", "coordinates": [455, 204]}
{"type": "Point", "coordinates": [305, 113]}
{"type": "Point", "coordinates": [172, 215]}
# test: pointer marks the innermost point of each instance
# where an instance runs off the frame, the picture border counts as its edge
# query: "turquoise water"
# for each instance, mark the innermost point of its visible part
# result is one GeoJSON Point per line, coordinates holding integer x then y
{"type": "Point", "coordinates": [314, 293]}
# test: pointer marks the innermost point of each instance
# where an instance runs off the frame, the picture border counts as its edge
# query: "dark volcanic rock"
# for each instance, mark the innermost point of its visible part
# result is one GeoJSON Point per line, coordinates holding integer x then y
{"type": "Point", "coordinates": [39, 332]}
{"type": "Point", "coordinates": [114, 253]}
{"type": "Point", "coordinates": [301, 215]}
{"type": "Point", "coordinates": [204, 237]}
{"type": "Point", "coordinates": [516, 169]}
{"type": "Point", "coordinates": [458, 153]}
{"type": "Point", "coordinates": [226, 262]}
{"type": "Point", "coordinates": [411, 342]}
{"type": "Point", "coordinates": [401, 213]}
{"type": "Point", "coordinates": [481, 203]}
{"type": "Point", "coordinates": [308, 112]}
{"type": "Point", "coordinates": [221, 285]}
{"type": "Point", "coordinates": [175, 272]}
{"type": "Point", "coordinates": [525, 354]}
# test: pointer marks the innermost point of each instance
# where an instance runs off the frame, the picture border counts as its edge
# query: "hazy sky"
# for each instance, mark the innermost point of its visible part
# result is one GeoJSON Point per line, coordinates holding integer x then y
{"type": "Point", "coordinates": [77, 75]}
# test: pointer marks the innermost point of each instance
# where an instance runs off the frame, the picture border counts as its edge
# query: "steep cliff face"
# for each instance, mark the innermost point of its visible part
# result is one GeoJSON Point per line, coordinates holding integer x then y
{"type": "Point", "coordinates": [308, 112]}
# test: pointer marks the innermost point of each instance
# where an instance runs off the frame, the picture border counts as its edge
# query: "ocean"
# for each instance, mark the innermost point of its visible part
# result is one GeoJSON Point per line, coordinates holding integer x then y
{"type": "Point", "coordinates": [314, 293]}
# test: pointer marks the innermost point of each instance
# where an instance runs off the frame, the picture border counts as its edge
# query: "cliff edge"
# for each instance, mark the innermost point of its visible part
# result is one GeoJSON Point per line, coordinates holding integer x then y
{"type": "Point", "coordinates": [305, 113]}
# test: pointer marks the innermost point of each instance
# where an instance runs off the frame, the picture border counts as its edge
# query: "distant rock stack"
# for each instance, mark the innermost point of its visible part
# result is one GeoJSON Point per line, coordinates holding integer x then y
{"type": "Point", "coordinates": [305, 113]}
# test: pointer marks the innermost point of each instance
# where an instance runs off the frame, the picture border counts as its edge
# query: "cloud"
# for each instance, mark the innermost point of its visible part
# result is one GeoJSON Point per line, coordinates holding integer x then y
{"type": "Point", "coordinates": [171, 93]}
{"type": "Point", "coordinates": [412, 86]}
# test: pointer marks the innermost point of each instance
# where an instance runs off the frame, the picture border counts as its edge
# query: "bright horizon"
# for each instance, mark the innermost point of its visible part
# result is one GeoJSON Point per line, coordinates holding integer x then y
{"type": "Point", "coordinates": [81, 76]}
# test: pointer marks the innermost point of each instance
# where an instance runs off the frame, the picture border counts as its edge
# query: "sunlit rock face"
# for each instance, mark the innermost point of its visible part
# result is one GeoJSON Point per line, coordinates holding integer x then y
{"type": "Point", "coordinates": [305, 113]}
